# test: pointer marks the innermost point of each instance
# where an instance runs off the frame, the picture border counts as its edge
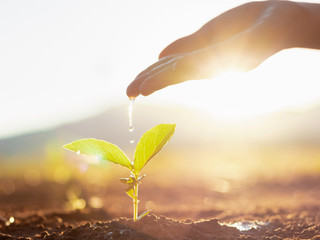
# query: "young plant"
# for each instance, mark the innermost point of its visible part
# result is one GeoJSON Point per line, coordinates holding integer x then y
{"type": "Point", "coordinates": [149, 145]}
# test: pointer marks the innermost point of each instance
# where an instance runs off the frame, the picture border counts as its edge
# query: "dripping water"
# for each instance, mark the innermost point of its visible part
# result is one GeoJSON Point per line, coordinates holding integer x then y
{"type": "Point", "coordinates": [131, 128]}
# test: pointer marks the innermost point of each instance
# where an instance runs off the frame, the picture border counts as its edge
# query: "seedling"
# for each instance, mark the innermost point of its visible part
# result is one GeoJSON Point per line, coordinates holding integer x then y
{"type": "Point", "coordinates": [149, 145]}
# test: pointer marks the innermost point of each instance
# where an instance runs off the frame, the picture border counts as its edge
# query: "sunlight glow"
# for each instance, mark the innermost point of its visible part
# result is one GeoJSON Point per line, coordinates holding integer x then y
{"type": "Point", "coordinates": [286, 81]}
{"type": "Point", "coordinates": [283, 82]}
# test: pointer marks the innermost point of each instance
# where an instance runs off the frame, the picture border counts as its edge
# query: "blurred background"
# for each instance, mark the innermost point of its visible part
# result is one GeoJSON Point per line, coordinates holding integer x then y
{"type": "Point", "coordinates": [64, 69]}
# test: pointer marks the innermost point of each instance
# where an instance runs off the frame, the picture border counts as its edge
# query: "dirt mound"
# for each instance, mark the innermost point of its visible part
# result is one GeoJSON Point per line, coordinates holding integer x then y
{"type": "Point", "coordinates": [266, 210]}
{"type": "Point", "coordinates": [83, 225]}
{"type": "Point", "coordinates": [64, 226]}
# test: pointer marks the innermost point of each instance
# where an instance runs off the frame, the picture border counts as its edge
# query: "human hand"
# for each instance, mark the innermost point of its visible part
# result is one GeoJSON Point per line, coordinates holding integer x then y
{"type": "Point", "coordinates": [239, 39]}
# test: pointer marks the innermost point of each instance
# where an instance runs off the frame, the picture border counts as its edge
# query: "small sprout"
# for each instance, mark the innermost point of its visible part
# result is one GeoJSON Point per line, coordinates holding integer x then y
{"type": "Point", "coordinates": [149, 145]}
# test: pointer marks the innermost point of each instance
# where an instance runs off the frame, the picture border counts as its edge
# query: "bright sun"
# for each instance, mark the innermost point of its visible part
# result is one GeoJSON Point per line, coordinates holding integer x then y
{"type": "Point", "coordinates": [287, 81]}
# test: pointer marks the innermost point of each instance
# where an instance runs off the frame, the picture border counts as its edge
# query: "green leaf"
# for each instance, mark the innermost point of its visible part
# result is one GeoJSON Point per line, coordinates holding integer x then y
{"type": "Point", "coordinates": [130, 181]}
{"type": "Point", "coordinates": [101, 149]}
{"type": "Point", "coordinates": [151, 143]}
{"type": "Point", "coordinates": [124, 180]}
{"type": "Point", "coordinates": [130, 192]}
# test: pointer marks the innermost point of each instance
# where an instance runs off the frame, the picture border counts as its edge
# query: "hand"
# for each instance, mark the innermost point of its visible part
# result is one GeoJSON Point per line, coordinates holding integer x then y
{"type": "Point", "coordinates": [239, 39]}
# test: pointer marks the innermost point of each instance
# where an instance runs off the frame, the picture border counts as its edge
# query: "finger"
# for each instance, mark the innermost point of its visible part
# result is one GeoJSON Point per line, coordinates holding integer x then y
{"type": "Point", "coordinates": [184, 45]}
{"type": "Point", "coordinates": [201, 64]}
{"type": "Point", "coordinates": [133, 90]}
{"type": "Point", "coordinates": [159, 64]}
{"type": "Point", "coordinates": [180, 69]}
{"type": "Point", "coordinates": [161, 79]}
{"type": "Point", "coordinates": [183, 68]}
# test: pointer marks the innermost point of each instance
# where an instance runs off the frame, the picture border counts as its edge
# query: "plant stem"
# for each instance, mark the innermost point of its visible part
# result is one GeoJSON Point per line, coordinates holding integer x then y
{"type": "Point", "coordinates": [135, 203]}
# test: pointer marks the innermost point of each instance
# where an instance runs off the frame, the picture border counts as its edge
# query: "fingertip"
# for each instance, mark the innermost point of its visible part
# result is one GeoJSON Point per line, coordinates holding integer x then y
{"type": "Point", "coordinates": [132, 91]}
{"type": "Point", "coordinates": [132, 96]}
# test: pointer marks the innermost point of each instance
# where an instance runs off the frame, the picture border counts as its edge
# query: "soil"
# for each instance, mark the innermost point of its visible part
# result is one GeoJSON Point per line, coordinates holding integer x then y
{"type": "Point", "coordinates": [273, 209]}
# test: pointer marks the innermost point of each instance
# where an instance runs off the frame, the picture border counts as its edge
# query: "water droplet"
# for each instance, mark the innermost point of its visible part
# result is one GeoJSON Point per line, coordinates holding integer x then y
{"type": "Point", "coordinates": [130, 111]}
{"type": "Point", "coordinates": [131, 128]}
{"type": "Point", "coordinates": [78, 152]}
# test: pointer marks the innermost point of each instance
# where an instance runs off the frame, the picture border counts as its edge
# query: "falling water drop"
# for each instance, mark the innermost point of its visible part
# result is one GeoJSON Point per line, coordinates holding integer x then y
{"type": "Point", "coordinates": [130, 111]}
{"type": "Point", "coordinates": [78, 152]}
{"type": "Point", "coordinates": [130, 114]}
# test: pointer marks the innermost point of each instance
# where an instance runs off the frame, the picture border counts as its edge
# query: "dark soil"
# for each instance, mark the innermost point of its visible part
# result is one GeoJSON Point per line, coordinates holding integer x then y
{"type": "Point", "coordinates": [278, 210]}
{"type": "Point", "coordinates": [55, 226]}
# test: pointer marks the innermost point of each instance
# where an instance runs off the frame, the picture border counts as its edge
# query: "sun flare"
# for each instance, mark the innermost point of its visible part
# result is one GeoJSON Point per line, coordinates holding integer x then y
{"type": "Point", "coordinates": [286, 81]}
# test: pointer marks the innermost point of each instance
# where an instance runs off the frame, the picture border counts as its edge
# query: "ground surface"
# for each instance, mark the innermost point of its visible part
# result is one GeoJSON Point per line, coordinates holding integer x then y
{"type": "Point", "coordinates": [270, 209]}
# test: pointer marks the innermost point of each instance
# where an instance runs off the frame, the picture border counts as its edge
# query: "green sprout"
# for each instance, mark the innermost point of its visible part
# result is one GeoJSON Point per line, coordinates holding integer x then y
{"type": "Point", "coordinates": [149, 145]}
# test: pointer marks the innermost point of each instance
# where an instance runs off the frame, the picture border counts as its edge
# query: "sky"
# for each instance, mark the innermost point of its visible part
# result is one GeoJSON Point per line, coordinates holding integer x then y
{"type": "Point", "coordinates": [64, 60]}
